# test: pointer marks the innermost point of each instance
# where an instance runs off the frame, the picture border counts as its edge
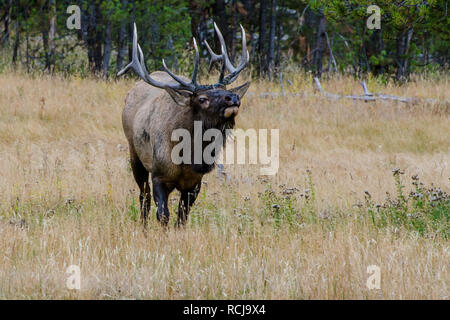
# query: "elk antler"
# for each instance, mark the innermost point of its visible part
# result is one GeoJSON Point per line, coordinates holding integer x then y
{"type": "Point", "coordinates": [233, 72]}
{"type": "Point", "coordinates": [138, 65]}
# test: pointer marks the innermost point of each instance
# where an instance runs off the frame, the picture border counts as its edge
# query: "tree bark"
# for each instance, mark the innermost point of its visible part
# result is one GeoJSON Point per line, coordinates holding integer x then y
{"type": "Point", "coordinates": [278, 45]}
{"type": "Point", "coordinates": [107, 49]}
{"type": "Point", "coordinates": [44, 32]}
{"type": "Point", "coordinates": [95, 39]}
{"type": "Point", "coordinates": [331, 60]}
{"type": "Point", "coordinates": [262, 37]}
{"type": "Point", "coordinates": [122, 45]}
{"type": "Point", "coordinates": [197, 11]}
{"type": "Point", "coordinates": [271, 53]}
{"type": "Point", "coordinates": [27, 40]}
{"type": "Point", "coordinates": [16, 43]}
{"type": "Point", "coordinates": [6, 20]}
{"type": "Point", "coordinates": [232, 48]}
{"type": "Point", "coordinates": [403, 41]}
{"type": "Point", "coordinates": [52, 48]}
{"type": "Point", "coordinates": [320, 44]}
{"type": "Point", "coordinates": [130, 29]}
{"type": "Point", "coordinates": [219, 11]}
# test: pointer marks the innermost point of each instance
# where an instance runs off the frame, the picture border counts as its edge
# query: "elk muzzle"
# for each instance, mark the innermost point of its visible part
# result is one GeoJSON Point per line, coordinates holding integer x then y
{"type": "Point", "coordinates": [231, 111]}
{"type": "Point", "coordinates": [233, 103]}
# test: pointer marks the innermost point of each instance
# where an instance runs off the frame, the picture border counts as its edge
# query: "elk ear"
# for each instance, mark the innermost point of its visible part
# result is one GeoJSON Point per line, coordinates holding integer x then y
{"type": "Point", "coordinates": [241, 90]}
{"type": "Point", "coordinates": [181, 97]}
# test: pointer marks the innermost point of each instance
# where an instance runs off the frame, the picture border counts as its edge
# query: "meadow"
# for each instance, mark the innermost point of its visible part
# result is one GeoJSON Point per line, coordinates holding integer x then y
{"type": "Point", "coordinates": [358, 184]}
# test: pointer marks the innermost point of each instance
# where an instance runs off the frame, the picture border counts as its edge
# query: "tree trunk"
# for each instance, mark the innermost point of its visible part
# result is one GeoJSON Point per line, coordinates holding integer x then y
{"type": "Point", "coordinates": [90, 38]}
{"type": "Point", "coordinates": [278, 45]}
{"type": "Point", "coordinates": [122, 45]}
{"type": "Point", "coordinates": [44, 33]}
{"type": "Point", "coordinates": [403, 41]}
{"type": "Point", "coordinates": [271, 53]}
{"type": "Point", "coordinates": [16, 43]}
{"type": "Point", "coordinates": [381, 48]}
{"type": "Point", "coordinates": [27, 41]}
{"type": "Point", "coordinates": [130, 29]}
{"type": "Point", "coordinates": [52, 48]}
{"type": "Point", "coordinates": [320, 44]}
{"type": "Point", "coordinates": [375, 47]}
{"type": "Point", "coordinates": [6, 20]}
{"type": "Point", "coordinates": [107, 49]}
{"type": "Point", "coordinates": [44, 24]}
{"type": "Point", "coordinates": [232, 48]}
{"type": "Point", "coordinates": [331, 60]}
{"type": "Point", "coordinates": [98, 54]}
{"type": "Point", "coordinates": [262, 37]}
{"type": "Point", "coordinates": [220, 13]}
{"type": "Point", "coordinates": [198, 24]}
{"type": "Point", "coordinates": [95, 39]}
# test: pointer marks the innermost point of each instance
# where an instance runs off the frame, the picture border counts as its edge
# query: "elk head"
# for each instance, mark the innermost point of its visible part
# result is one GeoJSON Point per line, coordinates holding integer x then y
{"type": "Point", "coordinates": [211, 101]}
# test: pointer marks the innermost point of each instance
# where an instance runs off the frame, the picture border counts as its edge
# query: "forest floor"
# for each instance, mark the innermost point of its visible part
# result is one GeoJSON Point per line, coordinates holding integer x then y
{"type": "Point", "coordinates": [67, 197]}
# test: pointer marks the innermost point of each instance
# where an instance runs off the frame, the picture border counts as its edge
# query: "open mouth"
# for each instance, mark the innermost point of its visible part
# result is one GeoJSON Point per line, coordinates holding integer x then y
{"type": "Point", "coordinates": [231, 111]}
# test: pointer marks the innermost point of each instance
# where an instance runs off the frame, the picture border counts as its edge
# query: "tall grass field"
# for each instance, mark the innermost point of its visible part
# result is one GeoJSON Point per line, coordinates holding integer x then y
{"type": "Point", "coordinates": [359, 184]}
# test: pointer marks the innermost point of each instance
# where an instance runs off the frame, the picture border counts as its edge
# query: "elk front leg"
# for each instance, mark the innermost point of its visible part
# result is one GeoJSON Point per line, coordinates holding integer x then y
{"type": "Point", "coordinates": [145, 201]}
{"type": "Point", "coordinates": [161, 195]}
{"type": "Point", "coordinates": [187, 199]}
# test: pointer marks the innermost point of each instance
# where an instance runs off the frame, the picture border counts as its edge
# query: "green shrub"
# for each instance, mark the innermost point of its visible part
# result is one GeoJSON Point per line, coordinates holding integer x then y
{"type": "Point", "coordinates": [425, 209]}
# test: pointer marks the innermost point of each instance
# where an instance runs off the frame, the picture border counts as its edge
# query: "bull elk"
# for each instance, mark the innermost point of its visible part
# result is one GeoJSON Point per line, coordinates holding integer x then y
{"type": "Point", "coordinates": [171, 102]}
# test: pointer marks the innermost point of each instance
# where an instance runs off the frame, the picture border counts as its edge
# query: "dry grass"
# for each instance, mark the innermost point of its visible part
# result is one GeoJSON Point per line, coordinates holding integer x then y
{"type": "Point", "coordinates": [68, 197]}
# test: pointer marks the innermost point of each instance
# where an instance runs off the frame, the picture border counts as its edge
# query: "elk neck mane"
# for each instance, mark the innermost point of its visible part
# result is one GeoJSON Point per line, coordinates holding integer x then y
{"type": "Point", "coordinates": [223, 126]}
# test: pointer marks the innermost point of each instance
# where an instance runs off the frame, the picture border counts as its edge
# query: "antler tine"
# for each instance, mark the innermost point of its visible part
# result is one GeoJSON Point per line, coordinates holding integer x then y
{"type": "Point", "coordinates": [227, 65]}
{"type": "Point", "coordinates": [184, 84]}
{"type": "Point", "coordinates": [197, 61]}
{"type": "Point", "coordinates": [214, 57]}
{"type": "Point", "coordinates": [244, 59]}
{"type": "Point", "coordinates": [138, 65]}
{"type": "Point", "coordinates": [193, 86]}
{"type": "Point", "coordinates": [245, 55]}
{"type": "Point", "coordinates": [134, 64]}
{"type": "Point", "coordinates": [223, 48]}
{"type": "Point", "coordinates": [222, 73]}
{"type": "Point", "coordinates": [142, 60]}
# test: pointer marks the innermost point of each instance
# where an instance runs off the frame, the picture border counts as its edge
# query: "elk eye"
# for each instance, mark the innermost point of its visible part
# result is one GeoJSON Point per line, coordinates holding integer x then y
{"type": "Point", "coordinates": [202, 100]}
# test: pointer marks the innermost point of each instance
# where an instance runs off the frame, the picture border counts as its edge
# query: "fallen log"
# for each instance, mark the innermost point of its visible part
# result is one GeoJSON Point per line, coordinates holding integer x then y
{"type": "Point", "coordinates": [368, 96]}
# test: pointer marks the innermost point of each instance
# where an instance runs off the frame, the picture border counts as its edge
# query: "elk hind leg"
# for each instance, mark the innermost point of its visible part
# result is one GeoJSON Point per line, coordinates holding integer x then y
{"type": "Point", "coordinates": [141, 175]}
{"type": "Point", "coordinates": [161, 193]}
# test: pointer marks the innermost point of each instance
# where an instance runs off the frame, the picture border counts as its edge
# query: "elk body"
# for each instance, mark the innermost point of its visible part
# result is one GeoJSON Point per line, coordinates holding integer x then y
{"type": "Point", "coordinates": [164, 102]}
